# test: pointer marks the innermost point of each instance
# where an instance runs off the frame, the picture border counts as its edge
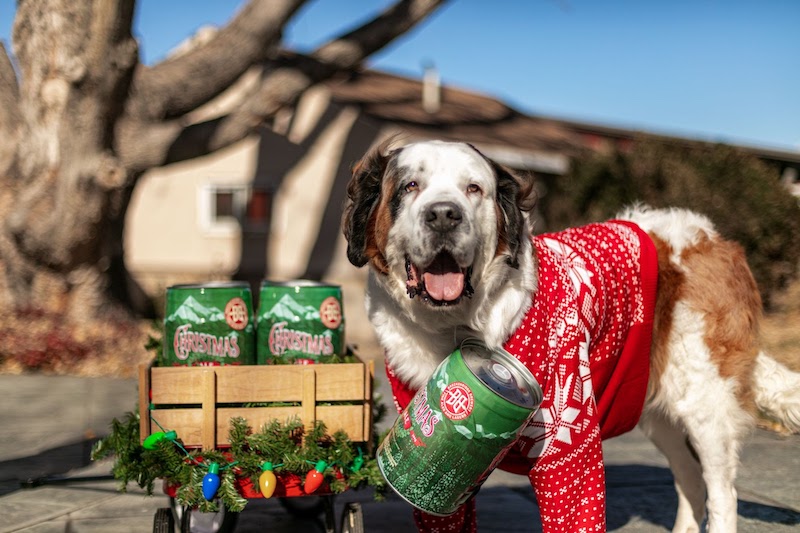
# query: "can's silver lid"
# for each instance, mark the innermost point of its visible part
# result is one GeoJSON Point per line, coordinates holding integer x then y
{"type": "Point", "coordinates": [502, 373]}
{"type": "Point", "coordinates": [301, 283]}
{"type": "Point", "coordinates": [211, 285]}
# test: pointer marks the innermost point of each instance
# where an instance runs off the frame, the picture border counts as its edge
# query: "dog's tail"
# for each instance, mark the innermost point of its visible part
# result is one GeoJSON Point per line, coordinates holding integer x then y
{"type": "Point", "coordinates": [777, 391]}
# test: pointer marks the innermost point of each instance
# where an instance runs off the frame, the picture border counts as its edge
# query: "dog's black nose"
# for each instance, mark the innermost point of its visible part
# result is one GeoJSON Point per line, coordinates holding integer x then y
{"type": "Point", "coordinates": [443, 216]}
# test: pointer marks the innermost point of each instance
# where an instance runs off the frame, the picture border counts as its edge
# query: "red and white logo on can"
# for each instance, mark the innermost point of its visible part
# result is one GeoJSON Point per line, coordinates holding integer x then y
{"type": "Point", "coordinates": [330, 313]}
{"type": "Point", "coordinates": [236, 314]}
{"type": "Point", "coordinates": [457, 401]}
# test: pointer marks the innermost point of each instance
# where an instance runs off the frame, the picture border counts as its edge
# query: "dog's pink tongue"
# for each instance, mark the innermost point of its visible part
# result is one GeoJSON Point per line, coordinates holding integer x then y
{"type": "Point", "coordinates": [444, 287]}
{"type": "Point", "coordinates": [444, 279]}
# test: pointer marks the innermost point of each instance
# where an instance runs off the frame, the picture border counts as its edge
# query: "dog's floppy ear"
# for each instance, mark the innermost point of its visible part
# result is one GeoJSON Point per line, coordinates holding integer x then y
{"type": "Point", "coordinates": [363, 195]}
{"type": "Point", "coordinates": [515, 196]}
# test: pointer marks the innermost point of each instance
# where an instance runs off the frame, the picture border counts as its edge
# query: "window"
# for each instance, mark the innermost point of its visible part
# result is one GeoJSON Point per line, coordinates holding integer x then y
{"type": "Point", "coordinates": [259, 209]}
{"type": "Point", "coordinates": [224, 209]}
{"type": "Point", "coordinates": [223, 204]}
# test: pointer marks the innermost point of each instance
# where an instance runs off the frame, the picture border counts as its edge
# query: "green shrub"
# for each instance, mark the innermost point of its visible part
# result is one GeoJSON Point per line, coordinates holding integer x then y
{"type": "Point", "coordinates": [742, 195]}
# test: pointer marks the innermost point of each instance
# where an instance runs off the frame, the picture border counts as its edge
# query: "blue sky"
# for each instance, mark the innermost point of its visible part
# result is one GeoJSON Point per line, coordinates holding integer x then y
{"type": "Point", "coordinates": [720, 70]}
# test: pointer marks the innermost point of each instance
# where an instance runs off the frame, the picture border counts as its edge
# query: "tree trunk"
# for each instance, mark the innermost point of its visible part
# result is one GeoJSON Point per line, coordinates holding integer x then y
{"type": "Point", "coordinates": [81, 273]}
{"type": "Point", "coordinates": [65, 185]}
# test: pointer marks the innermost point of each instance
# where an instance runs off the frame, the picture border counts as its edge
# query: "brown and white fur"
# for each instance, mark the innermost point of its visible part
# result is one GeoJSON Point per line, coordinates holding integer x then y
{"type": "Point", "coordinates": [442, 223]}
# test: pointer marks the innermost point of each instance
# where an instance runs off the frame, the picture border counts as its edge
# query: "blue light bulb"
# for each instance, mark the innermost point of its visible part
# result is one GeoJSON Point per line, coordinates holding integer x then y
{"type": "Point", "coordinates": [211, 482]}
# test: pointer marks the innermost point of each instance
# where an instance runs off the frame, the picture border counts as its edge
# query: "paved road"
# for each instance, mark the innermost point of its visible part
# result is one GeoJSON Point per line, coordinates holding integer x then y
{"type": "Point", "coordinates": [49, 424]}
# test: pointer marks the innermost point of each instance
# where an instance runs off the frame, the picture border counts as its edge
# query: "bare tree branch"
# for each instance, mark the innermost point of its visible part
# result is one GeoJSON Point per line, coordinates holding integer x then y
{"type": "Point", "coordinates": [110, 58]}
{"type": "Point", "coordinates": [283, 86]}
{"type": "Point", "coordinates": [9, 111]}
{"type": "Point", "coordinates": [9, 92]}
{"type": "Point", "coordinates": [349, 50]}
{"type": "Point", "coordinates": [110, 25]}
{"type": "Point", "coordinates": [171, 89]}
{"type": "Point", "coordinates": [110, 43]}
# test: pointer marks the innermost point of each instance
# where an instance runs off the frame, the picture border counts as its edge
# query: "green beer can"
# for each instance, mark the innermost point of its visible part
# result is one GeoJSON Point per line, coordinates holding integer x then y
{"type": "Point", "coordinates": [299, 322]}
{"type": "Point", "coordinates": [209, 324]}
{"type": "Point", "coordinates": [458, 427]}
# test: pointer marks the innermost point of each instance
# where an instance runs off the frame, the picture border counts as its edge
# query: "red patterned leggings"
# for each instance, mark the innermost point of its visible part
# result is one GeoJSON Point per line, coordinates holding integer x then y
{"type": "Point", "coordinates": [462, 521]}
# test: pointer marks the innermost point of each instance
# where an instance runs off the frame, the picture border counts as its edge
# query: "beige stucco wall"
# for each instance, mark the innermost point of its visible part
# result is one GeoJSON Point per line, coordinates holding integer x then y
{"type": "Point", "coordinates": [166, 239]}
{"type": "Point", "coordinates": [302, 198]}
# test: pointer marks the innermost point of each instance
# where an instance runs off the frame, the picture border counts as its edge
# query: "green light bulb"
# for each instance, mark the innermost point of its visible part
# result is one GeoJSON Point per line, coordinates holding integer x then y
{"type": "Point", "coordinates": [151, 442]}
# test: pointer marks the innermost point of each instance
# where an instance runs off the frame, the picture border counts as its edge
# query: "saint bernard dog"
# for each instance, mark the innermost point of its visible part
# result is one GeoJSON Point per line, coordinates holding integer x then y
{"type": "Point", "coordinates": [649, 319]}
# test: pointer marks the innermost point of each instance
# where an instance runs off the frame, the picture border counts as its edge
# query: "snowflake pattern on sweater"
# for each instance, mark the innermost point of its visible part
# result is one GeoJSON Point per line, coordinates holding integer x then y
{"type": "Point", "coordinates": [586, 339]}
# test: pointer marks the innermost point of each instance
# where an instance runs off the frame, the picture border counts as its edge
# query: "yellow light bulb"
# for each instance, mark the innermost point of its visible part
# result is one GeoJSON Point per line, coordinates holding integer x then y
{"type": "Point", "coordinates": [267, 480]}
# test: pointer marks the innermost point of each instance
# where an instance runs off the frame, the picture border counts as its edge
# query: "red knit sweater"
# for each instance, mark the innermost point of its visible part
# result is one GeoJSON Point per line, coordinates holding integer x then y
{"type": "Point", "coordinates": [586, 339]}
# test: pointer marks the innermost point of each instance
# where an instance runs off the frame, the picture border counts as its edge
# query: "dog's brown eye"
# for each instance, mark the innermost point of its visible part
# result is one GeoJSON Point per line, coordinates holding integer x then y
{"type": "Point", "coordinates": [411, 186]}
{"type": "Point", "coordinates": [472, 188]}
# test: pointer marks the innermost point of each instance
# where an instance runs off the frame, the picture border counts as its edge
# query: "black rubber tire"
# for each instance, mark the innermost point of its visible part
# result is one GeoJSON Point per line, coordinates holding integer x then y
{"type": "Point", "coordinates": [183, 515]}
{"type": "Point", "coordinates": [352, 518]}
{"type": "Point", "coordinates": [163, 521]}
{"type": "Point", "coordinates": [186, 520]}
{"type": "Point", "coordinates": [330, 514]}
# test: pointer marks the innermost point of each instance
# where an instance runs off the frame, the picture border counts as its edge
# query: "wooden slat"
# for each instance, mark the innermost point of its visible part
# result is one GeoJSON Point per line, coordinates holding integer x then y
{"type": "Point", "coordinates": [309, 397]}
{"type": "Point", "coordinates": [187, 423]}
{"type": "Point", "coordinates": [348, 418]}
{"type": "Point", "coordinates": [256, 418]}
{"type": "Point", "coordinates": [369, 372]}
{"type": "Point", "coordinates": [243, 384]}
{"type": "Point", "coordinates": [144, 402]}
{"type": "Point", "coordinates": [209, 409]}
{"type": "Point", "coordinates": [176, 385]}
{"type": "Point", "coordinates": [340, 382]}
{"type": "Point", "coordinates": [279, 383]}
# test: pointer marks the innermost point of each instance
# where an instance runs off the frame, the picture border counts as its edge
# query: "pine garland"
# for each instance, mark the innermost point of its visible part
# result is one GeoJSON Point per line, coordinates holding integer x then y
{"type": "Point", "coordinates": [286, 444]}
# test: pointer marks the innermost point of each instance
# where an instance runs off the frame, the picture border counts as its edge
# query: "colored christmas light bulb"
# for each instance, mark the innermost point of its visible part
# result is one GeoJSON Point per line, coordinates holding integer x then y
{"type": "Point", "coordinates": [315, 477]}
{"type": "Point", "coordinates": [267, 480]}
{"type": "Point", "coordinates": [358, 462]}
{"type": "Point", "coordinates": [151, 442]}
{"type": "Point", "coordinates": [211, 482]}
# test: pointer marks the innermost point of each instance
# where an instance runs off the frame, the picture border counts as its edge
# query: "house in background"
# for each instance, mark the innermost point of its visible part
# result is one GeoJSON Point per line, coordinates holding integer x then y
{"type": "Point", "coordinates": [271, 205]}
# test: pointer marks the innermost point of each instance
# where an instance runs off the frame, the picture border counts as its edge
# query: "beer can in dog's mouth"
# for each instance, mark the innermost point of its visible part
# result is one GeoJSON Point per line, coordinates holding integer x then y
{"type": "Point", "coordinates": [299, 322]}
{"type": "Point", "coordinates": [209, 324]}
{"type": "Point", "coordinates": [458, 427]}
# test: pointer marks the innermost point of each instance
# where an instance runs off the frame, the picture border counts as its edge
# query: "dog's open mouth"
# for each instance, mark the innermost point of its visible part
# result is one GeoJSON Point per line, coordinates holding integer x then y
{"type": "Point", "coordinates": [440, 283]}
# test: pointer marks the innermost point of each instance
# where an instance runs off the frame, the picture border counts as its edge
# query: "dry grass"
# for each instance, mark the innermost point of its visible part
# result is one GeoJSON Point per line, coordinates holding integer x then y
{"type": "Point", "coordinates": [781, 328]}
{"type": "Point", "coordinates": [37, 342]}
{"type": "Point", "coordinates": [780, 337]}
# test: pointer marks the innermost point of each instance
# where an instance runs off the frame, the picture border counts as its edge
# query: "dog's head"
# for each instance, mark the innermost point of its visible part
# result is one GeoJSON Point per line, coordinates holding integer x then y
{"type": "Point", "coordinates": [433, 216]}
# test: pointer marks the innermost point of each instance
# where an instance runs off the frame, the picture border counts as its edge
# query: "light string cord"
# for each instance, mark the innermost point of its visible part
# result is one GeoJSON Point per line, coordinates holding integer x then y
{"type": "Point", "coordinates": [185, 451]}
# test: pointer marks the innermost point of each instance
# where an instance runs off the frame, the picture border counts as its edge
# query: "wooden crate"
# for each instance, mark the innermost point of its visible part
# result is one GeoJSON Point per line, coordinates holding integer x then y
{"type": "Point", "coordinates": [198, 402]}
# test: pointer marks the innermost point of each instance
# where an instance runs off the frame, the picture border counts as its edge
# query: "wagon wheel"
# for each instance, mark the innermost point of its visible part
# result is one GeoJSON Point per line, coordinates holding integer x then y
{"type": "Point", "coordinates": [330, 514]}
{"type": "Point", "coordinates": [193, 521]}
{"type": "Point", "coordinates": [163, 521]}
{"type": "Point", "coordinates": [352, 518]}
